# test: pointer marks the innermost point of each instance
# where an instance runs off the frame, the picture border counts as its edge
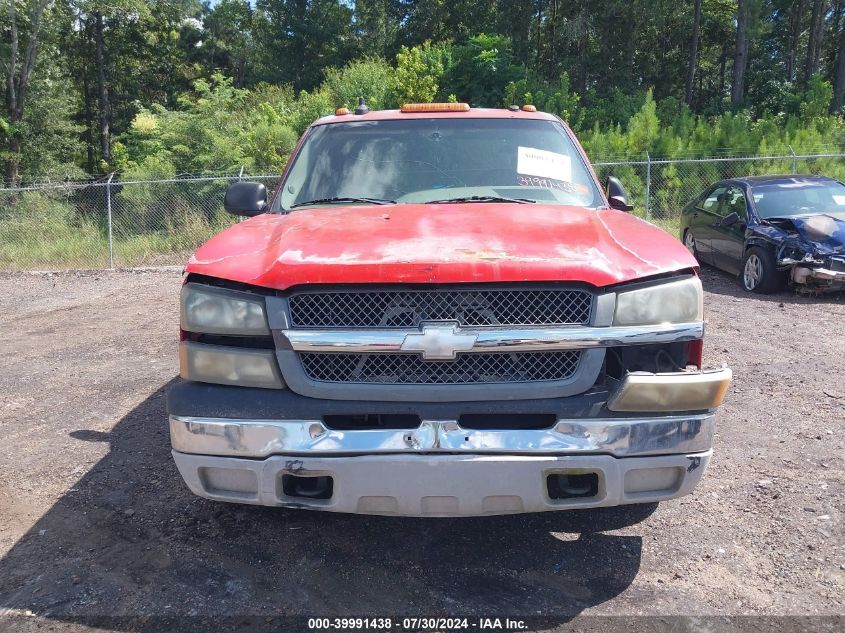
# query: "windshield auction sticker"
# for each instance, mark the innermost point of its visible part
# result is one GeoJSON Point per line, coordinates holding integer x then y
{"type": "Point", "coordinates": [539, 162]}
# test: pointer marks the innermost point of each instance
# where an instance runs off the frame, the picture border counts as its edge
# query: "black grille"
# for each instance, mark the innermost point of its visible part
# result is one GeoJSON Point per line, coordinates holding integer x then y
{"type": "Point", "coordinates": [472, 368]}
{"type": "Point", "coordinates": [410, 308]}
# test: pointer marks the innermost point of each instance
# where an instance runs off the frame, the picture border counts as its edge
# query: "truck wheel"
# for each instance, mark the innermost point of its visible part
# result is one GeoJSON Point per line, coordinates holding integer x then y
{"type": "Point", "coordinates": [759, 272]}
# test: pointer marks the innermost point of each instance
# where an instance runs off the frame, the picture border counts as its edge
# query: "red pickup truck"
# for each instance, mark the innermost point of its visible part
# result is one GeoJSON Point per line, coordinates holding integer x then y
{"type": "Point", "coordinates": [439, 312]}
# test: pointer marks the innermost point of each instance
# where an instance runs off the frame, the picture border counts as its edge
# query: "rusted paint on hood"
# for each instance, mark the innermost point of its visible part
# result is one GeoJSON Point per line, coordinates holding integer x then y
{"type": "Point", "coordinates": [440, 243]}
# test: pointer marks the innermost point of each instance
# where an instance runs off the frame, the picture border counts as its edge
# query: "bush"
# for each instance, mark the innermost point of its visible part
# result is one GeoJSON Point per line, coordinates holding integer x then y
{"type": "Point", "coordinates": [419, 72]}
{"type": "Point", "coordinates": [480, 71]}
{"type": "Point", "coordinates": [370, 78]}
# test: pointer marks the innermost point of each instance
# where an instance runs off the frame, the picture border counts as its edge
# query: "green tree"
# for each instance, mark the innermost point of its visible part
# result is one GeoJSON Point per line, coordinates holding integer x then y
{"type": "Point", "coordinates": [369, 78]}
{"type": "Point", "coordinates": [300, 39]}
{"type": "Point", "coordinates": [217, 128]}
{"type": "Point", "coordinates": [378, 26]}
{"type": "Point", "coordinates": [419, 72]}
{"type": "Point", "coordinates": [481, 70]}
{"type": "Point", "coordinates": [441, 20]}
{"type": "Point", "coordinates": [558, 99]}
{"type": "Point", "coordinates": [27, 30]}
{"type": "Point", "coordinates": [227, 40]}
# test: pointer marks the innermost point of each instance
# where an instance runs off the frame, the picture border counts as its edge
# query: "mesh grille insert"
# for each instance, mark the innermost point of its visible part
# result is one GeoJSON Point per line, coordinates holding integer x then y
{"type": "Point", "coordinates": [474, 368]}
{"type": "Point", "coordinates": [401, 308]}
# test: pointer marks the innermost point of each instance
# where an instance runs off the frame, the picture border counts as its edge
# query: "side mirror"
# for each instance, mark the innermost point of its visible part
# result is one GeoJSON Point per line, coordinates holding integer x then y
{"type": "Point", "coordinates": [729, 220]}
{"type": "Point", "coordinates": [617, 197]}
{"type": "Point", "coordinates": [246, 198]}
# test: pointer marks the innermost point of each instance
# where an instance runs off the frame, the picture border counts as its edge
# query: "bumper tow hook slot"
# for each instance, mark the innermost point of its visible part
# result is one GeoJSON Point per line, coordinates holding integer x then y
{"type": "Point", "coordinates": [320, 487]}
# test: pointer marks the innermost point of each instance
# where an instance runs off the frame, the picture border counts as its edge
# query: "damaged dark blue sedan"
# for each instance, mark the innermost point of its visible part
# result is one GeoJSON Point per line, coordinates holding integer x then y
{"type": "Point", "coordinates": [771, 230]}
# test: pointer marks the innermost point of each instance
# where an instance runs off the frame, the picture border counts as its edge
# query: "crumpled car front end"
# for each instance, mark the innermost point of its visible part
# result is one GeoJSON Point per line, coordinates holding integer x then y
{"type": "Point", "coordinates": [811, 249]}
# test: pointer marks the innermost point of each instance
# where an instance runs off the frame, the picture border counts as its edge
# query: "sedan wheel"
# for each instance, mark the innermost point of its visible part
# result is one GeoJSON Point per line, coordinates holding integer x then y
{"type": "Point", "coordinates": [760, 273]}
{"type": "Point", "coordinates": [752, 274]}
{"type": "Point", "coordinates": [689, 242]}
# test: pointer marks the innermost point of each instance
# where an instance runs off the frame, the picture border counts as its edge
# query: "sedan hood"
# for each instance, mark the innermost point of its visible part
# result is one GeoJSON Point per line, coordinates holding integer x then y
{"type": "Point", "coordinates": [825, 229]}
{"type": "Point", "coordinates": [825, 233]}
{"type": "Point", "coordinates": [440, 243]}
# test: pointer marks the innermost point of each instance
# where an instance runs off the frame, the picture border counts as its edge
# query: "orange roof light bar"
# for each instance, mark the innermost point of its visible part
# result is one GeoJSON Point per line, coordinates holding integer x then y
{"type": "Point", "coordinates": [435, 107]}
{"type": "Point", "coordinates": [341, 111]}
{"type": "Point", "coordinates": [529, 108]}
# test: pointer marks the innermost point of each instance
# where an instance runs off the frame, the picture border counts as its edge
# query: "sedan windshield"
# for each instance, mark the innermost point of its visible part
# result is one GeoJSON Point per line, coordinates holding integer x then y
{"type": "Point", "coordinates": [439, 160]}
{"type": "Point", "coordinates": [801, 197]}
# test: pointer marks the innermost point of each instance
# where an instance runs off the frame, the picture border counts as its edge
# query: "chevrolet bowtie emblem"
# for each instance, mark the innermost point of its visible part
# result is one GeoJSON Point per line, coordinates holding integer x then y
{"type": "Point", "coordinates": [439, 342]}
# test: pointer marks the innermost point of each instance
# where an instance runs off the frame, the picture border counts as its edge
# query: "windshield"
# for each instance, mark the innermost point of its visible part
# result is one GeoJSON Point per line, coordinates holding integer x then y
{"type": "Point", "coordinates": [430, 160]}
{"type": "Point", "coordinates": [772, 200]}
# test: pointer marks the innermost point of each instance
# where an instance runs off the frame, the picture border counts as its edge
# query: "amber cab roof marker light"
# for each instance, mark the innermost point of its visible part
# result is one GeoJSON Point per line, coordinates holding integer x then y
{"type": "Point", "coordinates": [341, 111]}
{"type": "Point", "coordinates": [529, 108]}
{"type": "Point", "coordinates": [435, 107]}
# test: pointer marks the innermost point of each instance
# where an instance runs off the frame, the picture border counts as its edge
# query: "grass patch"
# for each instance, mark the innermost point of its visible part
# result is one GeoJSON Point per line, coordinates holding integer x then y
{"type": "Point", "coordinates": [671, 225]}
{"type": "Point", "coordinates": [39, 232]}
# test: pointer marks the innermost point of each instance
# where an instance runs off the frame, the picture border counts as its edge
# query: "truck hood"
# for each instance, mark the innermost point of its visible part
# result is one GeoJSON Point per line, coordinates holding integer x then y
{"type": "Point", "coordinates": [440, 243]}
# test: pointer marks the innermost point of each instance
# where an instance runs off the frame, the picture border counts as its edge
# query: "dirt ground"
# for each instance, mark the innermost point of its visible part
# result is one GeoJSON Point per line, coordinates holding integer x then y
{"type": "Point", "coordinates": [95, 521]}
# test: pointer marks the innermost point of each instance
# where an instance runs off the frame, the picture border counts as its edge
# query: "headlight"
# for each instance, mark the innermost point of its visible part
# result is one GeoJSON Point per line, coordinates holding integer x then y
{"type": "Point", "coordinates": [229, 365]}
{"type": "Point", "coordinates": [672, 302]}
{"type": "Point", "coordinates": [219, 311]}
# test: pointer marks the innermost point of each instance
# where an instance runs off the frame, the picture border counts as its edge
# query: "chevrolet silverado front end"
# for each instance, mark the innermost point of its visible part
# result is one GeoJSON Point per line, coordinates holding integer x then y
{"type": "Point", "coordinates": [439, 314]}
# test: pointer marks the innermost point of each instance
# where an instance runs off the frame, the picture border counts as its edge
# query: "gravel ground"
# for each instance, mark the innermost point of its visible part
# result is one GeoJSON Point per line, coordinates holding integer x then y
{"type": "Point", "coordinates": [95, 521]}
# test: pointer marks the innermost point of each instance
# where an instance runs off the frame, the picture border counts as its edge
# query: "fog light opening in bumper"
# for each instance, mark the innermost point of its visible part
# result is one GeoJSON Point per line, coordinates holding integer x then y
{"type": "Point", "coordinates": [649, 482]}
{"type": "Point", "coordinates": [308, 487]}
{"type": "Point", "coordinates": [562, 486]}
{"type": "Point", "coordinates": [229, 483]}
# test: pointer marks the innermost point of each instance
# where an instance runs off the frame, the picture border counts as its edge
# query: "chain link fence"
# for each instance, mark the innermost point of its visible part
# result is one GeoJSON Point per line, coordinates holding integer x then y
{"type": "Point", "coordinates": [129, 224]}
{"type": "Point", "coordinates": [112, 223]}
{"type": "Point", "coordinates": [659, 189]}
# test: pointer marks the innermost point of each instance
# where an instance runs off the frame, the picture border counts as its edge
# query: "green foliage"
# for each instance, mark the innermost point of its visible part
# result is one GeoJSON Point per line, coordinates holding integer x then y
{"type": "Point", "coordinates": [311, 106]}
{"type": "Point", "coordinates": [817, 100]}
{"type": "Point", "coordinates": [48, 131]}
{"type": "Point", "coordinates": [644, 128]}
{"type": "Point", "coordinates": [219, 128]}
{"type": "Point", "coordinates": [558, 99]}
{"type": "Point", "coordinates": [419, 71]}
{"type": "Point", "coordinates": [593, 64]}
{"type": "Point", "coordinates": [227, 41]}
{"type": "Point", "coordinates": [378, 27]}
{"type": "Point", "coordinates": [370, 78]}
{"type": "Point", "coordinates": [302, 39]}
{"type": "Point", "coordinates": [480, 70]}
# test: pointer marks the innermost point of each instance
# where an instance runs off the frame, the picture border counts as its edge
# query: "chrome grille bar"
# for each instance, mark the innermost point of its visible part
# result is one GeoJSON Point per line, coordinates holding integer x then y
{"type": "Point", "coordinates": [498, 340]}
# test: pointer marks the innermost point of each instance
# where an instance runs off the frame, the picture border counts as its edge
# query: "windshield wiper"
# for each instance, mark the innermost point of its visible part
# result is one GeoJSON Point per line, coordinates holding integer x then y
{"type": "Point", "coordinates": [343, 199]}
{"type": "Point", "coordinates": [483, 199]}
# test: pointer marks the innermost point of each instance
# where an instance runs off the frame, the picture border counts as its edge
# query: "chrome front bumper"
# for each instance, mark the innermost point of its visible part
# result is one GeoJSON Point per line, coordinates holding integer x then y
{"type": "Point", "coordinates": [439, 468]}
{"type": "Point", "coordinates": [619, 437]}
